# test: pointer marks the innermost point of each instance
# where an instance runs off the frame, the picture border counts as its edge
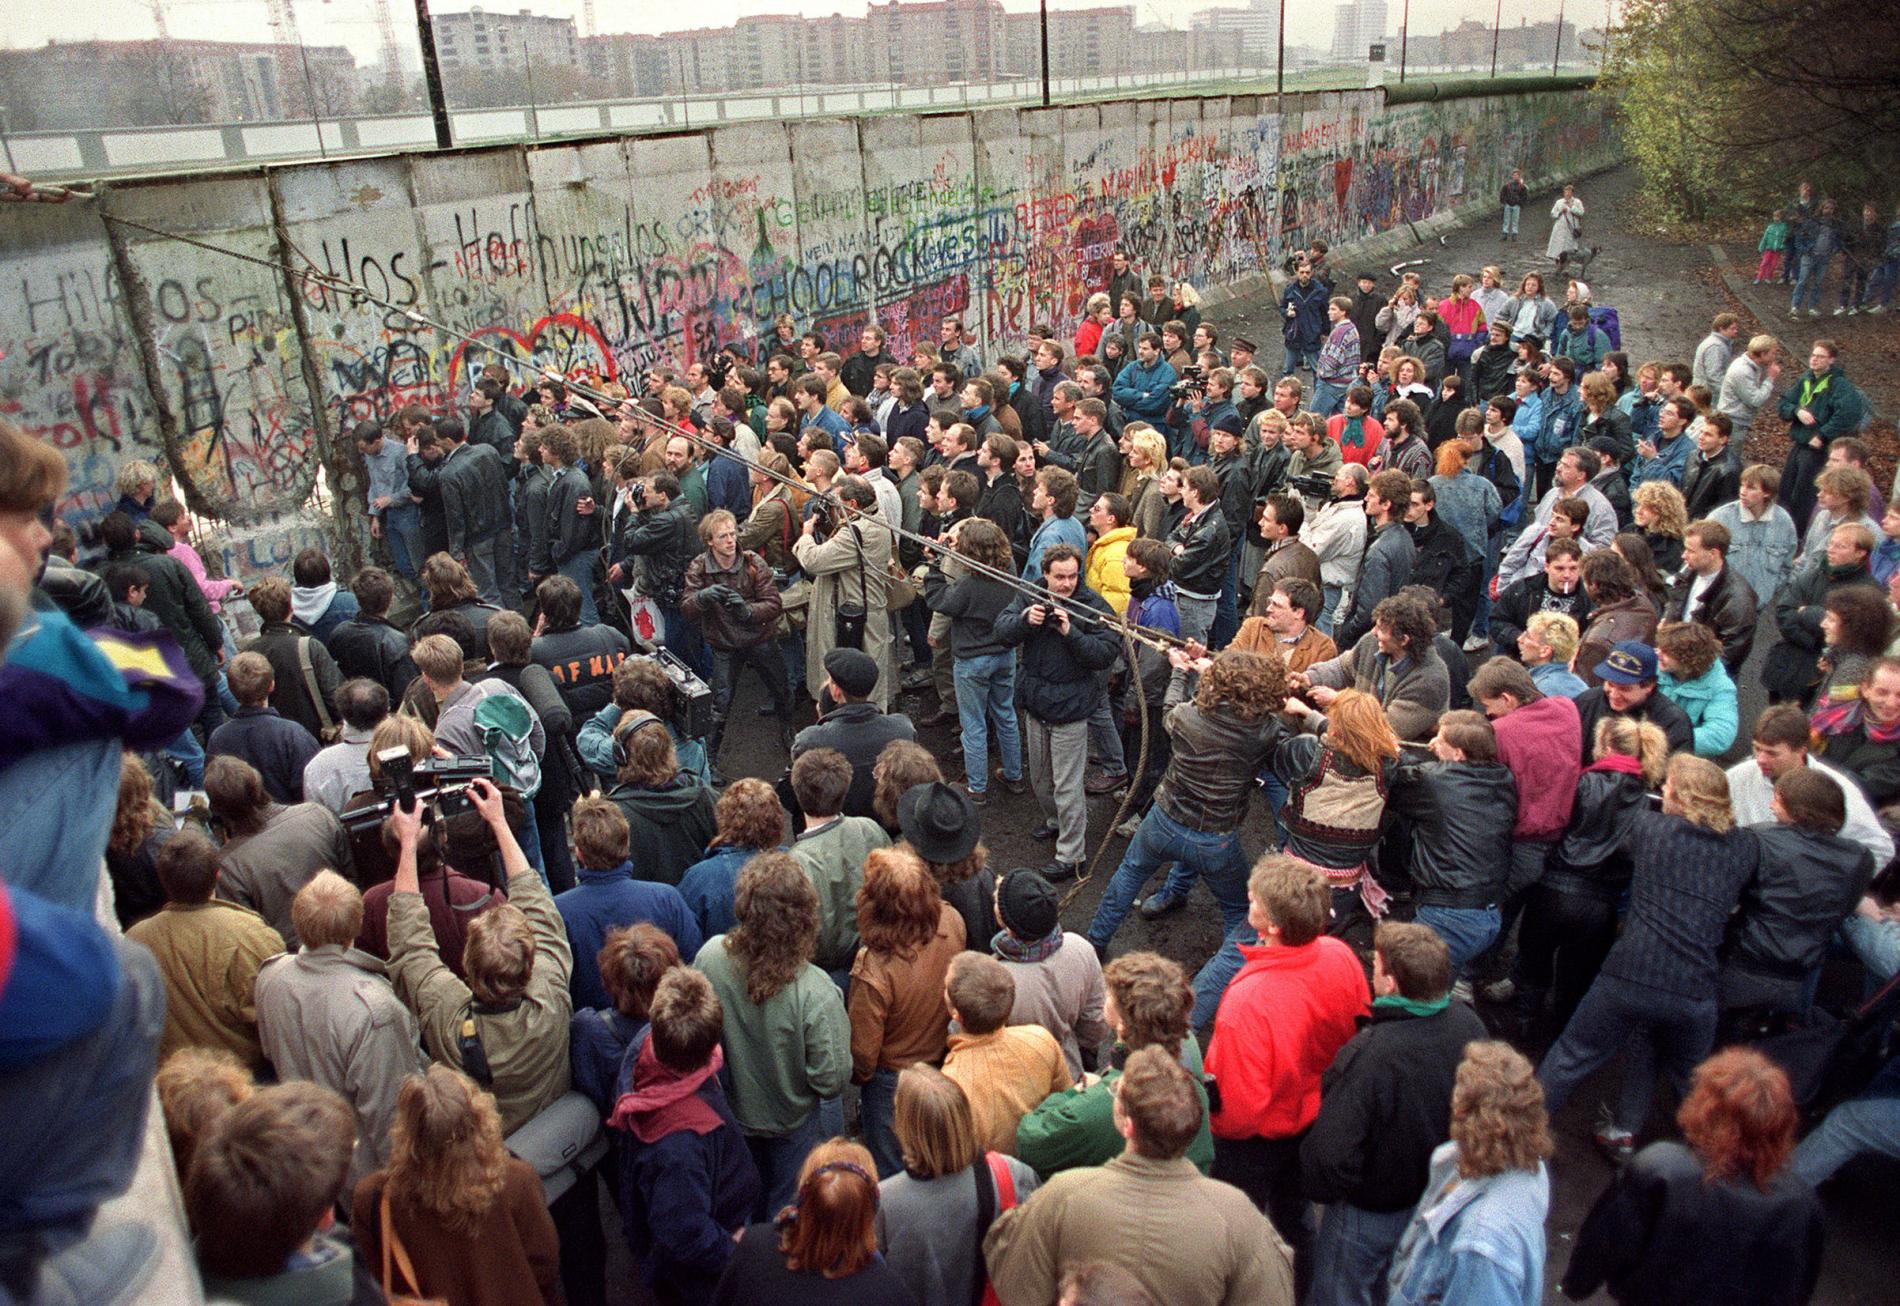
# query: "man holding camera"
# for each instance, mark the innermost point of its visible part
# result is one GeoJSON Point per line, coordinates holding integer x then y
{"type": "Point", "coordinates": [731, 594]}
{"type": "Point", "coordinates": [506, 1028]}
{"type": "Point", "coordinates": [664, 531]}
{"type": "Point", "coordinates": [1056, 688]}
{"type": "Point", "coordinates": [845, 550]}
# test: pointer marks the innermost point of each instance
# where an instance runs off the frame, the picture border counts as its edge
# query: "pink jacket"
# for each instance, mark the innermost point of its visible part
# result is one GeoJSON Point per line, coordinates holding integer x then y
{"type": "Point", "coordinates": [1542, 744]}
{"type": "Point", "coordinates": [215, 591]}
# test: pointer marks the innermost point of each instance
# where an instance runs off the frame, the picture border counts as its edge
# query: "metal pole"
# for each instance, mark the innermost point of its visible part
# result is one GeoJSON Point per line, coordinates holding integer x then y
{"type": "Point", "coordinates": [6, 132]}
{"type": "Point", "coordinates": [1405, 30]}
{"type": "Point", "coordinates": [432, 76]}
{"type": "Point", "coordinates": [1497, 31]}
{"type": "Point", "coordinates": [1279, 73]}
{"type": "Point", "coordinates": [1045, 54]}
{"type": "Point", "coordinates": [1557, 52]}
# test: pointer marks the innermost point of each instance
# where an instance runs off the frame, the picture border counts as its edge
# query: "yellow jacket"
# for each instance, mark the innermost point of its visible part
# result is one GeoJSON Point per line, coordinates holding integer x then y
{"type": "Point", "coordinates": [1105, 574]}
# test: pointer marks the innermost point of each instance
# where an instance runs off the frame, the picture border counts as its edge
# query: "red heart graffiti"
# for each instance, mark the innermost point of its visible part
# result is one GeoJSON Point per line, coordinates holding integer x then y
{"type": "Point", "coordinates": [527, 343]}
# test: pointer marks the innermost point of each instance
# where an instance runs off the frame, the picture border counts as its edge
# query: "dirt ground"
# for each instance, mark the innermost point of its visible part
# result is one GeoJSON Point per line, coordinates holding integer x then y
{"type": "Point", "coordinates": [1666, 292]}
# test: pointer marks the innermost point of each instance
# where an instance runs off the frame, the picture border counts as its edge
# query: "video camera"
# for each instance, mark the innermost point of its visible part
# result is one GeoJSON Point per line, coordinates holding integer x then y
{"type": "Point", "coordinates": [718, 369]}
{"type": "Point", "coordinates": [690, 705]}
{"type": "Point", "coordinates": [1193, 382]}
{"type": "Point", "coordinates": [441, 784]}
{"type": "Point", "coordinates": [1311, 485]}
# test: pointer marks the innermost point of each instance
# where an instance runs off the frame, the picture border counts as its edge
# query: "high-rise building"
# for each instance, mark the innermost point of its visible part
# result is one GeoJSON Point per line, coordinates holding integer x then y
{"type": "Point", "coordinates": [1357, 26]}
{"type": "Point", "coordinates": [1247, 36]}
{"type": "Point", "coordinates": [496, 42]}
{"type": "Point", "coordinates": [71, 84]}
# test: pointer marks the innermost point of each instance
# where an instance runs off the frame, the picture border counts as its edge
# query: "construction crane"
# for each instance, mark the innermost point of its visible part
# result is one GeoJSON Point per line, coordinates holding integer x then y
{"type": "Point", "coordinates": [392, 52]}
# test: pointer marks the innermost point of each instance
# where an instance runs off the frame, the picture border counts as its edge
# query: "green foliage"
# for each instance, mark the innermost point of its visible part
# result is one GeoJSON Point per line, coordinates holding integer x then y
{"type": "Point", "coordinates": [1727, 103]}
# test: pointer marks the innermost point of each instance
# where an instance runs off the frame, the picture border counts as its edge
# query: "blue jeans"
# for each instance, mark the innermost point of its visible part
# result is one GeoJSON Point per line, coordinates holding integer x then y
{"type": "Point", "coordinates": [190, 756]}
{"type": "Point", "coordinates": [1876, 943]}
{"type": "Point", "coordinates": [1666, 1027]}
{"type": "Point", "coordinates": [1227, 606]}
{"type": "Point", "coordinates": [1807, 282]}
{"type": "Point", "coordinates": [1880, 285]}
{"type": "Point", "coordinates": [1328, 398]}
{"type": "Point", "coordinates": [1298, 357]}
{"type": "Point", "coordinates": [1868, 1124]}
{"type": "Point", "coordinates": [1467, 931]}
{"type": "Point", "coordinates": [1328, 606]}
{"type": "Point", "coordinates": [1214, 977]}
{"type": "Point", "coordinates": [1352, 1253]}
{"type": "Point", "coordinates": [986, 691]}
{"type": "Point", "coordinates": [402, 531]}
{"type": "Point", "coordinates": [1161, 840]}
{"type": "Point", "coordinates": [778, 1160]}
{"type": "Point", "coordinates": [580, 570]}
{"type": "Point", "coordinates": [877, 1121]}
{"type": "Point", "coordinates": [491, 568]}
{"type": "Point", "coordinates": [1511, 213]}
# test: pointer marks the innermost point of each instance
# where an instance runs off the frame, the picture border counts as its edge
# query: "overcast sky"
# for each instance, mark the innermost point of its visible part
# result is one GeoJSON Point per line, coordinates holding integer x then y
{"type": "Point", "coordinates": [353, 22]}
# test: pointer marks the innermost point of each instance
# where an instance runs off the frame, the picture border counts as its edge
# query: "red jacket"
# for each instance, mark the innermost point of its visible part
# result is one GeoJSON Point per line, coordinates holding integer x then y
{"type": "Point", "coordinates": [1541, 742]}
{"type": "Point", "coordinates": [1372, 435]}
{"type": "Point", "coordinates": [1279, 1026]}
{"type": "Point", "coordinates": [1088, 337]}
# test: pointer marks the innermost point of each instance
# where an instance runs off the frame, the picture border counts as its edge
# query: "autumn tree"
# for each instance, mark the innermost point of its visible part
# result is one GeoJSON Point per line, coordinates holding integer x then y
{"type": "Point", "coordinates": [1724, 103]}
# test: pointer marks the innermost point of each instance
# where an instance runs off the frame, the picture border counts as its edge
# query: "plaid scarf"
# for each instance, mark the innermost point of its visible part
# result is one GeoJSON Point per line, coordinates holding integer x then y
{"type": "Point", "coordinates": [1846, 716]}
{"type": "Point", "coordinates": [1008, 947]}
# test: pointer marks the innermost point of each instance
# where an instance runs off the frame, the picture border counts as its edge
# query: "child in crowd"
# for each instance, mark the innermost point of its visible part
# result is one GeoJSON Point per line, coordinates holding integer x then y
{"type": "Point", "coordinates": [1774, 240]}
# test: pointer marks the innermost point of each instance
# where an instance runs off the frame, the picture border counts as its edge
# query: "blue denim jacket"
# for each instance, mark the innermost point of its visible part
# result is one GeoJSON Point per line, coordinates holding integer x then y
{"type": "Point", "coordinates": [1473, 1242]}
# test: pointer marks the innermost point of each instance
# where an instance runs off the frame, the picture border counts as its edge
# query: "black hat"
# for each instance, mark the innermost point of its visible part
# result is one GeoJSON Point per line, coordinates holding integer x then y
{"type": "Point", "coordinates": [939, 821]}
{"type": "Point", "coordinates": [1367, 274]}
{"type": "Point", "coordinates": [1241, 342]}
{"type": "Point", "coordinates": [852, 671]}
{"type": "Point", "coordinates": [1027, 905]}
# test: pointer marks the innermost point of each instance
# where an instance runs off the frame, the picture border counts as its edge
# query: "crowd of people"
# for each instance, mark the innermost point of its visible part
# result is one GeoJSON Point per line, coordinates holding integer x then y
{"type": "Point", "coordinates": [423, 896]}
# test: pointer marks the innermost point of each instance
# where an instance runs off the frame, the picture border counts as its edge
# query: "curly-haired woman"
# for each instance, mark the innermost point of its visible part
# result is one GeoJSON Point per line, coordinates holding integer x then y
{"type": "Point", "coordinates": [472, 1218]}
{"type": "Point", "coordinates": [140, 827]}
{"type": "Point", "coordinates": [1694, 679]}
{"type": "Point", "coordinates": [1718, 1217]}
{"type": "Point", "coordinates": [787, 1043]}
{"type": "Point", "coordinates": [751, 821]}
{"type": "Point", "coordinates": [1478, 1232]}
{"type": "Point", "coordinates": [908, 935]}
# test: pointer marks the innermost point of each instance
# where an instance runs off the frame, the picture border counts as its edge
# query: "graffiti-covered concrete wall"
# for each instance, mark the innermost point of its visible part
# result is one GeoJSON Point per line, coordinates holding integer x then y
{"type": "Point", "coordinates": [604, 258]}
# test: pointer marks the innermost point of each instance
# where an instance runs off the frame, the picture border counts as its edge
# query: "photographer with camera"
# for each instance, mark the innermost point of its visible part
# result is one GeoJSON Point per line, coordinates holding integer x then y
{"type": "Point", "coordinates": [1303, 313]}
{"type": "Point", "coordinates": [848, 560]}
{"type": "Point", "coordinates": [731, 594]}
{"type": "Point", "coordinates": [506, 1028]}
{"type": "Point", "coordinates": [663, 531]}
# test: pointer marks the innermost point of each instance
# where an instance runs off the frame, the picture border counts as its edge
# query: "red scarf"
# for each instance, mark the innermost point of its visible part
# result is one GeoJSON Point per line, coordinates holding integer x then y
{"type": "Point", "coordinates": [664, 1101]}
{"type": "Point", "coordinates": [1619, 763]}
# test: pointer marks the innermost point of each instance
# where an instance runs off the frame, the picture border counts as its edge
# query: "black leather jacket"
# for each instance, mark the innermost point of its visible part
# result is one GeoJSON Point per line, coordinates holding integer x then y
{"type": "Point", "coordinates": [1201, 549]}
{"type": "Point", "coordinates": [1807, 885]}
{"type": "Point", "coordinates": [669, 540]}
{"type": "Point", "coordinates": [78, 593]}
{"type": "Point", "coordinates": [372, 647]}
{"type": "Point", "coordinates": [1211, 773]}
{"type": "Point", "coordinates": [1461, 815]}
{"type": "Point", "coordinates": [1728, 607]}
{"type": "Point", "coordinates": [1591, 859]}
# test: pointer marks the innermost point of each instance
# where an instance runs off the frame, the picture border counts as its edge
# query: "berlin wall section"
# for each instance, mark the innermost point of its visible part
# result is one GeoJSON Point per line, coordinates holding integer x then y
{"type": "Point", "coordinates": [612, 256]}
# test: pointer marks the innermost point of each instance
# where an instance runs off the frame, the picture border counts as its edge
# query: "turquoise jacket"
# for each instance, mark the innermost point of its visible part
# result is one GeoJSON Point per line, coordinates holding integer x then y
{"type": "Point", "coordinates": [1709, 702]}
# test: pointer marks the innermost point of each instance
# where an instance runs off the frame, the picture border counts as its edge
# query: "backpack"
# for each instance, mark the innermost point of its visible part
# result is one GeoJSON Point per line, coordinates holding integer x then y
{"type": "Point", "coordinates": [507, 726]}
{"type": "Point", "coordinates": [1609, 323]}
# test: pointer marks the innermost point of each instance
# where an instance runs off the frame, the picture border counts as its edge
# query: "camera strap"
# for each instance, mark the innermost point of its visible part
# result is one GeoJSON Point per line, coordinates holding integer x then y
{"type": "Point", "coordinates": [857, 542]}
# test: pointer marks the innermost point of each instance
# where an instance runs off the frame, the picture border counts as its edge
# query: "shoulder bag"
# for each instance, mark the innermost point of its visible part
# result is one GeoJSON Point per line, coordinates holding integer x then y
{"type": "Point", "coordinates": [396, 1262]}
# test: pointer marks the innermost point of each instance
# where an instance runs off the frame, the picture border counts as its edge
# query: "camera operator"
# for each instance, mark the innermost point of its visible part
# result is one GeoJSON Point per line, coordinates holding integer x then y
{"type": "Point", "coordinates": [663, 530]}
{"type": "Point", "coordinates": [730, 592]}
{"type": "Point", "coordinates": [848, 561]}
{"type": "Point", "coordinates": [640, 685]}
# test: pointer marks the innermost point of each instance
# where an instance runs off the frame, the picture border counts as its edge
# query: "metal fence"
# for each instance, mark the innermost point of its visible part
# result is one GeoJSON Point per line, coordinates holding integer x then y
{"type": "Point", "coordinates": [214, 82]}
